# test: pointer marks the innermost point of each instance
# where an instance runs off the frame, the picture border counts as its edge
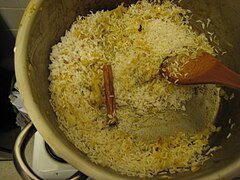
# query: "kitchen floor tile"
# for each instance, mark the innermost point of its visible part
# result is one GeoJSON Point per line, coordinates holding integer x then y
{"type": "Point", "coordinates": [8, 171]}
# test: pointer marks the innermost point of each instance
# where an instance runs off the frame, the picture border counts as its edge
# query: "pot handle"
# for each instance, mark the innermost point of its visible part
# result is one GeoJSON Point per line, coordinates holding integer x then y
{"type": "Point", "coordinates": [19, 158]}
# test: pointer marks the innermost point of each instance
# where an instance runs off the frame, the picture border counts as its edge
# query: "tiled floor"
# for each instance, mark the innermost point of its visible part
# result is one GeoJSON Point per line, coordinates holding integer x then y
{"type": "Point", "coordinates": [8, 171]}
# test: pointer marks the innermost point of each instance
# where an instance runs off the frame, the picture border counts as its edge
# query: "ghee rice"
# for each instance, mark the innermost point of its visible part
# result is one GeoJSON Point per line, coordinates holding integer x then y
{"type": "Point", "coordinates": [135, 40]}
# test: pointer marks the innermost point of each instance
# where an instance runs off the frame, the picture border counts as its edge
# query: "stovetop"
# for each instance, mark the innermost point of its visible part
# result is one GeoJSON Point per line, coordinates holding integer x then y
{"type": "Point", "coordinates": [47, 164]}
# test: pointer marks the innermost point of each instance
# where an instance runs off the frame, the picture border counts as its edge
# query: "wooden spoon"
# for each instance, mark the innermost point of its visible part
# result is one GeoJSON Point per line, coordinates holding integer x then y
{"type": "Point", "coordinates": [205, 69]}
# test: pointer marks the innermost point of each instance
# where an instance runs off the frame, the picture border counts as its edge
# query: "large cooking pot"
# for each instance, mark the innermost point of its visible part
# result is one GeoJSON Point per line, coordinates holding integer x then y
{"type": "Point", "coordinates": [45, 21]}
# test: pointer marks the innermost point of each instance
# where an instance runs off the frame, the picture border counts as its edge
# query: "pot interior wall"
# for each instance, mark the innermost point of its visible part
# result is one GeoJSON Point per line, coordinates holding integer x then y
{"type": "Point", "coordinates": [55, 17]}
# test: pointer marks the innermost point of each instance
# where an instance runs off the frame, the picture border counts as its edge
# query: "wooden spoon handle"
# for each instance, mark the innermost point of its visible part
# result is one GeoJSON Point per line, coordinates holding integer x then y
{"type": "Point", "coordinates": [207, 69]}
{"type": "Point", "coordinates": [225, 76]}
{"type": "Point", "coordinates": [204, 69]}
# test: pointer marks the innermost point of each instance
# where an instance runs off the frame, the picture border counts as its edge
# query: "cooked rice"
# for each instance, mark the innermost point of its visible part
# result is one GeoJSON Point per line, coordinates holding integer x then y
{"type": "Point", "coordinates": [229, 135]}
{"type": "Point", "coordinates": [135, 40]}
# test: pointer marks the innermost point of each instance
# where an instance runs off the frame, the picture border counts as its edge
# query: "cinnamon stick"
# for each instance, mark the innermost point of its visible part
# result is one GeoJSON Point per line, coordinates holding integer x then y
{"type": "Point", "coordinates": [109, 94]}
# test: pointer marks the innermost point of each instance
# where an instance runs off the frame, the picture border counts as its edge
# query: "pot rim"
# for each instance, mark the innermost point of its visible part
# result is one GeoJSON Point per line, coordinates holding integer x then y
{"type": "Point", "coordinates": [70, 154]}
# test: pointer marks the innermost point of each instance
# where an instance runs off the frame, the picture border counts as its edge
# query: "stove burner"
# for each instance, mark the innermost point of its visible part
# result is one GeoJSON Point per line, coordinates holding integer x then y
{"type": "Point", "coordinates": [52, 153]}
